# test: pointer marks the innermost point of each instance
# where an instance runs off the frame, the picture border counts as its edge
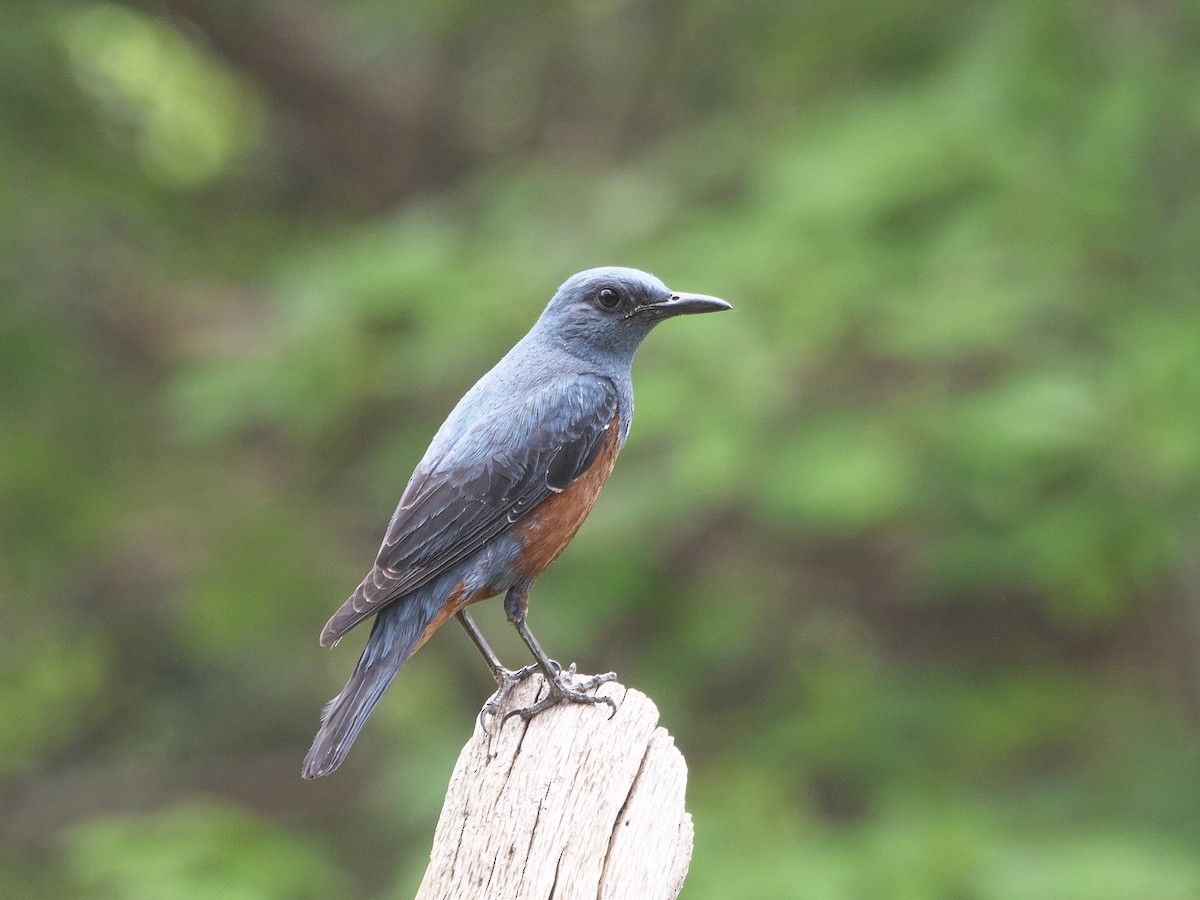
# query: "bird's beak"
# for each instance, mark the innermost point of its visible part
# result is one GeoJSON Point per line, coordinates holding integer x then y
{"type": "Point", "coordinates": [684, 305]}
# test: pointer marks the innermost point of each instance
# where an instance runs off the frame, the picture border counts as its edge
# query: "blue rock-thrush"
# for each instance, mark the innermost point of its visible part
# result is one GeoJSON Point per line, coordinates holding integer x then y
{"type": "Point", "coordinates": [506, 483]}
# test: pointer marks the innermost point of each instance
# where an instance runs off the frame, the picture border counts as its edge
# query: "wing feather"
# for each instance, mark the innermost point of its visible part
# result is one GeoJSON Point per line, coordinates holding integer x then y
{"type": "Point", "coordinates": [449, 513]}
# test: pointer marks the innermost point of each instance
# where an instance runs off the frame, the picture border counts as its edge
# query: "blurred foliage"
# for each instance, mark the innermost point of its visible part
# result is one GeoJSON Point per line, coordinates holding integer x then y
{"type": "Point", "coordinates": [197, 851]}
{"type": "Point", "coordinates": [906, 549]}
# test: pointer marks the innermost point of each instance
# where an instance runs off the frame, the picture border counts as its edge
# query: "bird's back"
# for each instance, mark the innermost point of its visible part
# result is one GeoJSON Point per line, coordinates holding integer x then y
{"type": "Point", "coordinates": [535, 382]}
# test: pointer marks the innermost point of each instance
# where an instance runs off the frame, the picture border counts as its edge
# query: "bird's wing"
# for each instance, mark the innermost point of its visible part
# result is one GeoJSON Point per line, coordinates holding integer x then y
{"type": "Point", "coordinates": [449, 511]}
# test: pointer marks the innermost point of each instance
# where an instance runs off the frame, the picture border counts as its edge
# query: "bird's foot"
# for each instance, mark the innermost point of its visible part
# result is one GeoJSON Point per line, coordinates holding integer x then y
{"type": "Point", "coordinates": [564, 687]}
{"type": "Point", "coordinates": [505, 681]}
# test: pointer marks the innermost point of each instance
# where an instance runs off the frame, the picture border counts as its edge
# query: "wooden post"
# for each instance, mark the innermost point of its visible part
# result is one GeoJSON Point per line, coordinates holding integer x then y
{"type": "Point", "coordinates": [568, 805]}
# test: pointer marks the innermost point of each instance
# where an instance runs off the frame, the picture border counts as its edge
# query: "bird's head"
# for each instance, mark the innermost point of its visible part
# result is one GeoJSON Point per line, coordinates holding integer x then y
{"type": "Point", "coordinates": [606, 312]}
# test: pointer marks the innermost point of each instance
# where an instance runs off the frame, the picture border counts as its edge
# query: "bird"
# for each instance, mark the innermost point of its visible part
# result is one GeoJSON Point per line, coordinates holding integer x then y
{"type": "Point", "coordinates": [504, 486]}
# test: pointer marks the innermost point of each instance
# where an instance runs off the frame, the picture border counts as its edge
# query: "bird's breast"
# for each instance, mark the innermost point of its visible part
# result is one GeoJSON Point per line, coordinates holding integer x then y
{"type": "Point", "coordinates": [547, 529]}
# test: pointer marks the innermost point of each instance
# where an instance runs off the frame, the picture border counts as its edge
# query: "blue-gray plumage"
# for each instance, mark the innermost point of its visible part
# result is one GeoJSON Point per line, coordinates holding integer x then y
{"type": "Point", "coordinates": [502, 489]}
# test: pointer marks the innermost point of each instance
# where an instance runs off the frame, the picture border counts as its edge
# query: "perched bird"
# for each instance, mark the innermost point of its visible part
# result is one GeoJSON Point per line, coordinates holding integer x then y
{"type": "Point", "coordinates": [506, 483]}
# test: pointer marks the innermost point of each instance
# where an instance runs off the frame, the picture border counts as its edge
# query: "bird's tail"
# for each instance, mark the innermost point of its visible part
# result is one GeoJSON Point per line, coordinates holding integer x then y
{"type": "Point", "coordinates": [395, 636]}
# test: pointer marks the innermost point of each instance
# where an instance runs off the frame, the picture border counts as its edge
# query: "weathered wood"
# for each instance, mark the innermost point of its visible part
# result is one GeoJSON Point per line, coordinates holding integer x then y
{"type": "Point", "coordinates": [571, 804]}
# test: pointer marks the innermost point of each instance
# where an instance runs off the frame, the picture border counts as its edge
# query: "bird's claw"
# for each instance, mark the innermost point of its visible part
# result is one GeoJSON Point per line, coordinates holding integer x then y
{"type": "Point", "coordinates": [563, 688]}
{"type": "Point", "coordinates": [505, 681]}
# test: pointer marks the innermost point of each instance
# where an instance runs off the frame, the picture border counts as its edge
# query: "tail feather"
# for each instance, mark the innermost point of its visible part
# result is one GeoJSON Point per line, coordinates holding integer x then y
{"type": "Point", "coordinates": [395, 636]}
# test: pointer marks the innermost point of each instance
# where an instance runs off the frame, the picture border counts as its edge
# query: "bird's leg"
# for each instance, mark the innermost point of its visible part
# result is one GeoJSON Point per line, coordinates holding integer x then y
{"type": "Point", "coordinates": [561, 684]}
{"type": "Point", "coordinates": [481, 644]}
{"type": "Point", "coordinates": [505, 680]}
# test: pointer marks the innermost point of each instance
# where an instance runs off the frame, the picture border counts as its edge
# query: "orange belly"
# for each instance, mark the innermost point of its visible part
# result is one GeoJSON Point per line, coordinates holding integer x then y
{"type": "Point", "coordinates": [549, 527]}
{"type": "Point", "coordinates": [546, 529]}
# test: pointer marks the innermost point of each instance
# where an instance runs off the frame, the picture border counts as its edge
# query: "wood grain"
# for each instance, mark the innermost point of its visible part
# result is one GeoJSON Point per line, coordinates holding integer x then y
{"type": "Point", "coordinates": [569, 805]}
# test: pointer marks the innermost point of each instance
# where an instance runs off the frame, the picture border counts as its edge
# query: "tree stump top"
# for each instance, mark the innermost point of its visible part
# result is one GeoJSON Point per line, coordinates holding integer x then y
{"type": "Point", "coordinates": [570, 804]}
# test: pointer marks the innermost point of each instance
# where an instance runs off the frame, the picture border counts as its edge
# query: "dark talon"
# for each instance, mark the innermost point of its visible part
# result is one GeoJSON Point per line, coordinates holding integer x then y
{"type": "Point", "coordinates": [563, 688]}
{"type": "Point", "coordinates": [505, 681]}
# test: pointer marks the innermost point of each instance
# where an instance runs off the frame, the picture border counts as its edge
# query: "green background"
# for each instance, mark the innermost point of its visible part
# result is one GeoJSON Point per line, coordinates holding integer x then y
{"type": "Point", "coordinates": [906, 548]}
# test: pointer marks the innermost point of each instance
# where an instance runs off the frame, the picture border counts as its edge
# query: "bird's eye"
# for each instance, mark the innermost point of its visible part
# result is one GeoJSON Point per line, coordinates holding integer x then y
{"type": "Point", "coordinates": [608, 298]}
